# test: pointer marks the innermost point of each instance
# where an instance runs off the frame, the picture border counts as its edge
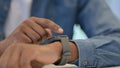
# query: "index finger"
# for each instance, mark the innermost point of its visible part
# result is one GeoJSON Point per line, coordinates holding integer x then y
{"type": "Point", "coordinates": [46, 23]}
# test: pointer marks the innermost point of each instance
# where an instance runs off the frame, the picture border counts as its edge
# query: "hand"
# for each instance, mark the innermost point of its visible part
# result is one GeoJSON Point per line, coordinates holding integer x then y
{"type": "Point", "coordinates": [33, 30]}
{"type": "Point", "coordinates": [21, 55]}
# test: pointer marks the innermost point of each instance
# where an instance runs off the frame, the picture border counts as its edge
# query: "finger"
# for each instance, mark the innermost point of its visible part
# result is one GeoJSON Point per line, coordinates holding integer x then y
{"type": "Point", "coordinates": [6, 56]}
{"type": "Point", "coordinates": [48, 24]}
{"type": "Point", "coordinates": [14, 60]}
{"type": "Point", "coordinates": [49, 33]}
{"type": "Point", "coordinates": [23, 38]}
{"type": "Point", "coordinates": [20, 36]}
{"type": "Point", "coordinates": [31, 34]}
{"type": "Point", "coordinates": [26, 57]}
{"type": "Point", "coordinates": [37, 28]}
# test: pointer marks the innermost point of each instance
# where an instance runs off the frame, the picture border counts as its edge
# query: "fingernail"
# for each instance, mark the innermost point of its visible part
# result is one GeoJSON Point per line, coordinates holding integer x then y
{"type": "Point", "coordinates": [60, 30]}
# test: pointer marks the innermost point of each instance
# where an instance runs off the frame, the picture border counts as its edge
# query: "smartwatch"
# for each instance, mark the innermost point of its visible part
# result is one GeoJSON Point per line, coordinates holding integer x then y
{"type": "Point", "coordinates": [65, 48]}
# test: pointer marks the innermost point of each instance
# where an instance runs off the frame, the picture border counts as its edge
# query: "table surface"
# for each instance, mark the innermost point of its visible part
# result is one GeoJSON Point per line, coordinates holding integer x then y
{"type": "Point", "coordinates": [69, 66]}
{"type": "Point", "coordinates": [65, 66]}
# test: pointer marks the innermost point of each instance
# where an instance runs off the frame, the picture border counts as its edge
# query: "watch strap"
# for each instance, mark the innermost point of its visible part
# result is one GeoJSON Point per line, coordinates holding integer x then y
{"type": "Point", "coordinates": [65, 47]}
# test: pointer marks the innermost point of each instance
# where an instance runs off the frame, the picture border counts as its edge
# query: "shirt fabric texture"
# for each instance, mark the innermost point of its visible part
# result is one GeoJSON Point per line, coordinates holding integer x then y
{"type": "Point", "coordinates": [101, 49]}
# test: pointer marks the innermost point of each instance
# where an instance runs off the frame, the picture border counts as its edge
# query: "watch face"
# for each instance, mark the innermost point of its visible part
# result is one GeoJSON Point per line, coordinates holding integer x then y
{"type": "Point", "coordinates": [62, 36]}
{"type": "Point", "coordinates": [58, 38]}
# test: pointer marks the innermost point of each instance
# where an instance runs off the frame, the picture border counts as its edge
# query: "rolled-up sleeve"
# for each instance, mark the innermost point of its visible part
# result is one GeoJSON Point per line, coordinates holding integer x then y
{"type": "Point", "coordinates": [98, 52]}
{"type": "Point", "coordinates": [86, 53]}
{"type": "Point", "coordinates": [102, 48]}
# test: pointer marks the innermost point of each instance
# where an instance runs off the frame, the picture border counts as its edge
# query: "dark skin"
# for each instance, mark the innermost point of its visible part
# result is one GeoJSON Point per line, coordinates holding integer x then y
{"type": "Point", "coordinates": [22, 54]}
{"type": "Point", "coordinates": [34, 30]}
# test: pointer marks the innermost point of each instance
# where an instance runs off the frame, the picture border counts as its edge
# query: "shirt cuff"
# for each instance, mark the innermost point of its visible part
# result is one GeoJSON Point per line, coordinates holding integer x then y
{"type": "Point", "coordinates": [86, 53]}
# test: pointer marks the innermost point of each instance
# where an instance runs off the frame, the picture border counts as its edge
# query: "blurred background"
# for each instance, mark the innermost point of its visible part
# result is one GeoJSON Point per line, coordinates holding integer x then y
{"type": "Point", "coordinates": [114, 6]}
{"type": "Point", "coordinates": [78, 32]}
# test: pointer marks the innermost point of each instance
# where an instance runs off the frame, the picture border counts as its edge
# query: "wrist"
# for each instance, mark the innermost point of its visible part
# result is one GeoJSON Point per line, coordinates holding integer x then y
{"type": "Point", "coordinates": [57, 46]}
{"type": "Point", "coordinates": [74, 52]}
{"type": "Point", "coordinates": [73, 49]}
{"type": "Point", "coordinates": [52, 52]}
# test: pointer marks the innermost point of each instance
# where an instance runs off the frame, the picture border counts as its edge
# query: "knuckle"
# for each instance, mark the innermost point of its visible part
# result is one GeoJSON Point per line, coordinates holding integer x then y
{"type": "Point", "coordinates": [32, 18]}
{"type": "Point", "coordinates": [34, 40]}
{"type": "Point", "coordinates": [51, 24]}
{"type": "Point", "coordinates": [44, 21]}
{"type": "Point", "coordinates": [22, 26]}
{"type": "Point", "coordinates": [26, 22]}
{"type": "Point", "coordinates": [54, 27]}
{"type": "Point", "coordinates": [42, 33]}
{"type": "Point", "coordinates": [47, 21]}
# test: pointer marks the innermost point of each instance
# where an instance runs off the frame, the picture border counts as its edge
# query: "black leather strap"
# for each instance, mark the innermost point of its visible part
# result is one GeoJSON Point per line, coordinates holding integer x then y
{"type": "Point", "coordinates": [66, 48]}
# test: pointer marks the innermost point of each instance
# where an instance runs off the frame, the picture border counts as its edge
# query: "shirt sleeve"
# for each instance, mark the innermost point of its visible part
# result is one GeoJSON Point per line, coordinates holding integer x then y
{"type": "Point", "coordinates": [102, 48]}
